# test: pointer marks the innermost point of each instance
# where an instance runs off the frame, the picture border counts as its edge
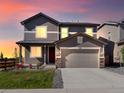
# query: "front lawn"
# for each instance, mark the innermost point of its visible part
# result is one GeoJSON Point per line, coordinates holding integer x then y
{"type": "Point", "coordinates": [26, 79]}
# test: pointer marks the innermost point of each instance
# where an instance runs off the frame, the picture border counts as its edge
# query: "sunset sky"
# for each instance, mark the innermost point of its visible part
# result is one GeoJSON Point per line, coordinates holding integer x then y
{"type": "Point", "coordinates": [12, 12]}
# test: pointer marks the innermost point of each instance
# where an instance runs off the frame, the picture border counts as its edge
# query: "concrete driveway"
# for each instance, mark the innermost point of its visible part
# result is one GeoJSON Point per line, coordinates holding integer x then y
{"type": "Point", "coordinates": [85, 78]}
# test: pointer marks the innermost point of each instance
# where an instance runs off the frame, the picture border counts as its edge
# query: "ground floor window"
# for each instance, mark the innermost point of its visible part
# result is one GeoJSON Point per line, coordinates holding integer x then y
{"type": "Point", "coordinates": [36, 51]}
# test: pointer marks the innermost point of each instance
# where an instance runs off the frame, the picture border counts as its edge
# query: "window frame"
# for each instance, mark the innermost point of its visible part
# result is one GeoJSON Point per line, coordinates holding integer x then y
{"type": "Point", "coordinates": [39, 55]}
{"type": "Point", "coordinates": [88, 32]}
{"type": "Point", "coordinates": [40, 35]}
{"type": "Point", "coordinates": [62, 34]}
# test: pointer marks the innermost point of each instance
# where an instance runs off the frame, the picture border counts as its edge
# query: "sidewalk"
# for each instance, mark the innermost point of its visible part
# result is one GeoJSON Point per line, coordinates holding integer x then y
{"type": "Point", "coordinates": [118, 90]}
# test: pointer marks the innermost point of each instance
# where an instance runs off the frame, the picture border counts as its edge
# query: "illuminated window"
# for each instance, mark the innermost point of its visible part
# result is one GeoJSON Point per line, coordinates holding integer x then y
{"type": "Point", "coordinates": [89, 31]}
{"type": "Point", "coordinates": [36, 51]}
{"type": "Point", "coordinates": [41, 32]}
{"type": "Point", "coordinates": [64, 32]}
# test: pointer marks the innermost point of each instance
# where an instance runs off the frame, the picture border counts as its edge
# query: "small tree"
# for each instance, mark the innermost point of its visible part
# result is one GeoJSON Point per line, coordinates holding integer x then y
{"type": "Point", "coordinates": [122, 52]}
{"type": "Point", "coordinates": [1, 55]}
{"type": "Point", "coordinates": [15, 53]}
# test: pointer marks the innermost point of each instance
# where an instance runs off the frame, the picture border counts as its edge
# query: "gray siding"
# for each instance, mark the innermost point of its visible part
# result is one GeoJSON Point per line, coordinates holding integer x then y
{"type": "Point", "coordinates": [50, 37]}
{"type": "Point", "coordinates": [41, 21]}
{"type": "Point", "coordinates": [30, 26]}
{"type": "Point", "coordinates": [76, 29]}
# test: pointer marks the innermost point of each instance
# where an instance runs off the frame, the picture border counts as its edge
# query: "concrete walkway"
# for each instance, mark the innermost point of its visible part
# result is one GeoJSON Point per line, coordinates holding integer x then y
{"type": "Point", "coordinates": [85, 78]}
{"type": "Point", "coordinates": [119, 90]}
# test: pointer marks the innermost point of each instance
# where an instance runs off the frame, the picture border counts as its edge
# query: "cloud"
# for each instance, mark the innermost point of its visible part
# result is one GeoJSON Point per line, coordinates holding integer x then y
{"type": "Point", "coordinates": [18, 9]}
{"type": "Point", "coordinates": [10, 10]}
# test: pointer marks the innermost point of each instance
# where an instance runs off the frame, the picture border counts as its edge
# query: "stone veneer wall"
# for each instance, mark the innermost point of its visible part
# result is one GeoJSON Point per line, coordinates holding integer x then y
{"type": "Point", "coordinates": [102, 62]}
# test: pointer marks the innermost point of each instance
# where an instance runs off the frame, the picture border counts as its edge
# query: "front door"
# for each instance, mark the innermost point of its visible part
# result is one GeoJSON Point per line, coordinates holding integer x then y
{"type": "Point", "coordinates": [51, 55]}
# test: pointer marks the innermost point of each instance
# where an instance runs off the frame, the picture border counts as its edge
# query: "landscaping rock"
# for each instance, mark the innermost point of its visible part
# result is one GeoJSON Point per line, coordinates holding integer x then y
{"type": "Point", "coordinates": [57, 81]}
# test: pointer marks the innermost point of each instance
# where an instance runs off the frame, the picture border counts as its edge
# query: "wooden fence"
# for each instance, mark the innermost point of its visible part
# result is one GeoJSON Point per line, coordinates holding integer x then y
{"type": "Point", "coordinates": [7, 63]}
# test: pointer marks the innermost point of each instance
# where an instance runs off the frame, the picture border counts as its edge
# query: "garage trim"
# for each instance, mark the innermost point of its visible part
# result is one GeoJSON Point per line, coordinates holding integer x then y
{"type": "Point", "coordinates": [98, 48]}
{"type": "Point", "coordinates": [79, 47]}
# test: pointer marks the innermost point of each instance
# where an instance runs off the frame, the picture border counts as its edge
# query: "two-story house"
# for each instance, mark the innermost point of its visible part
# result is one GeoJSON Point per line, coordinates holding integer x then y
{"type": "Point", "coordinates": [113, 31]}
{"type": "Point", "coordinates": [66, 44]}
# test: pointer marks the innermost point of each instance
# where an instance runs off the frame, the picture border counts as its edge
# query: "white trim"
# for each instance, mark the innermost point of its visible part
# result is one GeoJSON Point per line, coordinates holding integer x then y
{"type": "Point", "coordinates": [79, 47]}
{"type": "Point", "coordinates": [103, 50]}
{"type": "Point", "coordinates": [72, 32]}
{"type": "Point", "coordinates": [48, 54]}
{"type": "Point", "coordinates": [58, 33]}
{"type": "Point", "coordinates": [29, 31]}
{"type": "Point", "coordinates": [99, 58]}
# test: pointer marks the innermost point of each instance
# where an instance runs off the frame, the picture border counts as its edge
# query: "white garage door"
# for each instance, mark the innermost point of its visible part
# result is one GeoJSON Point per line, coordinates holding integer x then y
{"type": "Point", "coordinates": [80, 58]}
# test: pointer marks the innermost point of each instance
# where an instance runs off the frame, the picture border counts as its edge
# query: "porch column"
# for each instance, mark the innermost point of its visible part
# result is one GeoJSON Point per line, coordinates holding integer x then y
{"type": "Point", "coordinates": [27, 54]}
{"type": "Point", "coordinates": [20, 54]}
{"type": "Point", "coordinates": [44, 54]}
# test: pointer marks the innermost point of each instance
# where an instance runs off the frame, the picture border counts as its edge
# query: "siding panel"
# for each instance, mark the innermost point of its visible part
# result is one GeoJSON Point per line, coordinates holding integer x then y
{"type": "Point", "coordinates": [50, 37]}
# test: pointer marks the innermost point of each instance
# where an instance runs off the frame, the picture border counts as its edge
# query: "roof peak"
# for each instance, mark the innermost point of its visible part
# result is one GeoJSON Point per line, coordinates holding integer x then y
{"type": "Point", "coordinates": [70, 23]}
{"type": "Point", "coordinates": [37, 15]}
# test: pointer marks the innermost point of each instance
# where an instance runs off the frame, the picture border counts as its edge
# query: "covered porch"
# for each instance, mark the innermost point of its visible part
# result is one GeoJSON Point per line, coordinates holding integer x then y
{"type": "Point", "coordinates": [37, 52]}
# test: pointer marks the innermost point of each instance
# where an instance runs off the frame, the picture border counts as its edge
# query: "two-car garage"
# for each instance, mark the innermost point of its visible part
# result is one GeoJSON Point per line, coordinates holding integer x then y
{"type": "Point", "coordinates": [80, 51]}
{"type": "Point", "coordinates": [76, 57]}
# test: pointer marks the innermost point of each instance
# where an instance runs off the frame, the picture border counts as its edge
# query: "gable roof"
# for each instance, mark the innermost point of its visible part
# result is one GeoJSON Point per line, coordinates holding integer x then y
{"type": "Point", "coordinates": [107, 23]}
{"type": "Point", "coordinates": [38, 15]}
{"type": "Point", "coordinates": [121, 42]}
{"type": "Point", "coordinates": [80, 34]}
{"type": "Point", "coordinates": [105, 40]}
{"type": "Point", "coordinates": [60, 23]}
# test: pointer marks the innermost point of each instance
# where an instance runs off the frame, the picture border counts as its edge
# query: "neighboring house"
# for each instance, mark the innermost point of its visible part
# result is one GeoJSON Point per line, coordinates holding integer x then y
{"type": "Point", "coordinates": [113, 31]}
{"type": "Point", "coordinates": [109, 51]}
{"type": "Point", "coordinates": [66, 44]}
{"type": "Point", "coordinates": [121, 46]}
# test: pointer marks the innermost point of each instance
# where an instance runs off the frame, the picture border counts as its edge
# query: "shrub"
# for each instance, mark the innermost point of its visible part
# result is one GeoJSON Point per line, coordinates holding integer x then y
{"type": "Point", "coordinates": [122, 52]}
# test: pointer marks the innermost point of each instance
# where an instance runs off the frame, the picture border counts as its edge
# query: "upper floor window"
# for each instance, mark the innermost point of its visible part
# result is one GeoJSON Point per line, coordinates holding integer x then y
{"type": "Point", "coordinates": [36, 51]}
{"type": "Point", "coordinates": [41, 32]}
{"type": "Point", "coordinates": [89, 31]}
{"type": "Point", "coordinates": [64, 32]}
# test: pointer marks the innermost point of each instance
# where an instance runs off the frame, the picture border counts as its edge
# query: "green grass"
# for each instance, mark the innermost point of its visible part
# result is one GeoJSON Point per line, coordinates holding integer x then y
{"type": "Point", "coordinates": [26, 79]}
